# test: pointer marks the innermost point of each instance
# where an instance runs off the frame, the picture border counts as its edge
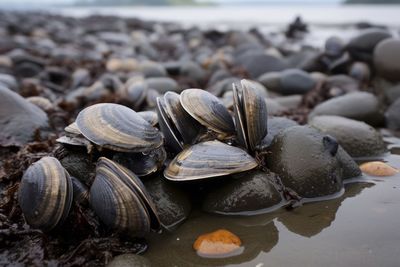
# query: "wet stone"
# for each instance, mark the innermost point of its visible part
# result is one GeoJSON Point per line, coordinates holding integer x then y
{"type": "Point", "coordinates": [173, 204]}
{"type": "Point", "coordinates": [20, 120]}
{"type": "Point", "coordinates": [357, 138]}
{"type": "Point", "coordinates": [316, 172]}
{"type": "Point", "coordinates": [362, 46]}
{"type": "Point", "coordinates": [392, 116]}
{"type": "Point", "coordinates": [360, 106]}
{"type": "Point", "coordinates": [129, 260]}
{"type": "Point", "coordinates": [387, 59]}
{"type": "Point", "coordinates": [246, 193]}
{"type": "Point", "coordinates": [288, 82]}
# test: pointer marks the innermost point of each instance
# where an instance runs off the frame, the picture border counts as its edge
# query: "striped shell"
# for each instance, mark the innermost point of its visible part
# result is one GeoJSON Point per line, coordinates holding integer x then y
{"type": "Point", "coordinates": [117, 127]}
{"type": "Point", "coordinates": [208, 110]}
{"type": "Point", "coordinates": [120, 200]}
{"type": "Point", "coordinates": [250, 114]}
{"type": "Point", "coordinates": [45, 194]}
{"type": "Point", "coordinates": [208, 159]}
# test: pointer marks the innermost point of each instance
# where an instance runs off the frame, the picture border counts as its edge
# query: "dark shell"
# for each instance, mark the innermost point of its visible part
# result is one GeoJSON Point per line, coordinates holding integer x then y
{"type": "Point", "coordinates": [118, 128]}
{"type": "Point", "coordinates": [208, 110]}
{"type": "Point", "coordinates": [120, 200]}
{"type": "Point", "coordinates": [208, 159]}
{"type": "Point", "coordinates": [250, 114]}
{"type": "Point", "coordinates": [255, 112]}
{"type": "Point", "coordinates": [187, 127]}
{"type": "Point", "coordinates": [142, 164]}
{"type": "Point", "coordinates": [166, 127]}
{"type": "Point", "coordinates": [45, 194]}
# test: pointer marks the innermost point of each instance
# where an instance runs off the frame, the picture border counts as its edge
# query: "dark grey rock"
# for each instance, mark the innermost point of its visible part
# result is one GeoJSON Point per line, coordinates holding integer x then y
{"type": "Point", "coordinates": [287, 82]}
{"type": "Point", "coordinates": [334, 46]}
{"type": "Point", "coordinates": [256, 63]}
{"type": "Point", "coordinates": [19, 119]}
{"type": "Point", "coordinates": [392, 93]}
{"type": "Point", "coordinates": [360, 106]}
{"type": "Point", "coordinates": [387, 59]}
{"type": "Point", "coordinates": [392, 116]}
{"type": "Point", "coordinates": [276, 125]}
{"type": "Point", "coordinates": [245, 193]}
{"type": "Point", "coordinates": [306, 161]}
{"type": "Point", "coordinates": [162, 84]}
{"type": "Point", "coordinates": [362, 46]}
{"type": "Point", "coordinates": [193, 71]}
{"type": "Point", "coordinates": [172, 204]}
{"type": "Point", "coordinates": [357, 138]}
{"type": "Point", "coordinates": [129, 260]}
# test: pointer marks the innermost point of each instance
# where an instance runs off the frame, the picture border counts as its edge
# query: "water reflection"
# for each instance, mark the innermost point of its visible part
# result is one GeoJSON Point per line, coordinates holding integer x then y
{"type": "Point", "coordinates": [177, 249]}
{"type": "Point", "coordinates": [312, 218]}
{"type": "Point", "coordinates": [258, 233]}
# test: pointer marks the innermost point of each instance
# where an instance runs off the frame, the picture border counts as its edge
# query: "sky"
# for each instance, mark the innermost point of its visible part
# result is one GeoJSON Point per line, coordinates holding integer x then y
{"type": "Point", "coordinates": [219, 1]}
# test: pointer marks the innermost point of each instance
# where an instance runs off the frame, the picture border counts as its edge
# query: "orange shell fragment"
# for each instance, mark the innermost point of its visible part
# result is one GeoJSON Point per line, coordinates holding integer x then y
{"type": "Point", "coordinates": [377, 168]}
{"type": "Point", "coordinates": [219, 242]}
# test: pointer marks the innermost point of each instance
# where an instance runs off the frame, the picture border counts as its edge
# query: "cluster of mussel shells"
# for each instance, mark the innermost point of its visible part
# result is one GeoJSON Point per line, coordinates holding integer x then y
{"type": "Point", "coordinates": [201, 136]}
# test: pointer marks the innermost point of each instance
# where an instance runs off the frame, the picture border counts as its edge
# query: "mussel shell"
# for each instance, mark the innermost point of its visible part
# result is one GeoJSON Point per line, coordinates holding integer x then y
{"type": "Point", "coordinates": [120, 200]}
{"type": "Point", "coordinates": [74, 141]}
{"type": "Point", "coordinates": [118, 128]}
{"type": "Point", "coordinates": [45, 194]}
{"type": "Point", "coordinates": [72, 129]}
{"type": "Point", "coordinates": [208, 110]}
{"type": "Point", "coordinates": [149, 116]}
{"type": "Point", "coordinates": [187, 127]}
{"type": "Point", "coordinates": [239, 117]}
{"type": "Point", "coordinates": [208, 159]}
{"type": "Point", "coordinates": [255, 111]}
{"type": "Point", "coordinates": [166, 126]}
{"type": "Point", "coordinates": [142, 164]}
{"type": "Point", "coordinates": [250, 115]}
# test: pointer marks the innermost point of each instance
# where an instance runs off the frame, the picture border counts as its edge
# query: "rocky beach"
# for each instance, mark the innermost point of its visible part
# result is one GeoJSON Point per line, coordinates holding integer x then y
{"type": "Point", "coordinates": [131, 142]}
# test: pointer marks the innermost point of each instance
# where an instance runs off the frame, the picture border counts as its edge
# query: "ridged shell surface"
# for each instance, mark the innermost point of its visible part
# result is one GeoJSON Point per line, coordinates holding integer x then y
{"type": "Point", "coordinates": [118, 128]}
{"type": "Point", "coordinates": [45, 194]}
{"type": "Point", "coordinates": [207, 160]}
{"type": "Point", "coordinates": [208, 110]}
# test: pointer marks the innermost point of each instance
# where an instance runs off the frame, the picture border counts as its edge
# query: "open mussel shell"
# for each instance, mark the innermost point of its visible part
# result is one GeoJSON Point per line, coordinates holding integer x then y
{"type": "Point", "coordinates": [208, 110]}
{"type": "Point", "coordinates": [120, 200]}
{"type": "Point", "coordinates": [167, 128]}
{"type": "Point", "coordinates": [45, 194]}
{"type": "Point", "coordinates": [187, 127]}
{"type": "Point", "coordinates": [208, 159]}
{"type": "Point", "coordinates": [118, 128]}
{"type": "Point", "coordinates": [239, 117]}
{"type": "Point", "coordinates": [250, 114]}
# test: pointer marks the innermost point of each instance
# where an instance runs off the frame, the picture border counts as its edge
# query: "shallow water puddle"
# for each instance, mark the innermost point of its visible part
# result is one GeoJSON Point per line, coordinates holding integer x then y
{"type": "Point", "coordinates": [360, 228]}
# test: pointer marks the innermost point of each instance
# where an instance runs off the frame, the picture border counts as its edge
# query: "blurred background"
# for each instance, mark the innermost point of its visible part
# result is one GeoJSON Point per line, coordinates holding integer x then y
{"type": "Point", "coordinates": [228, 12]}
